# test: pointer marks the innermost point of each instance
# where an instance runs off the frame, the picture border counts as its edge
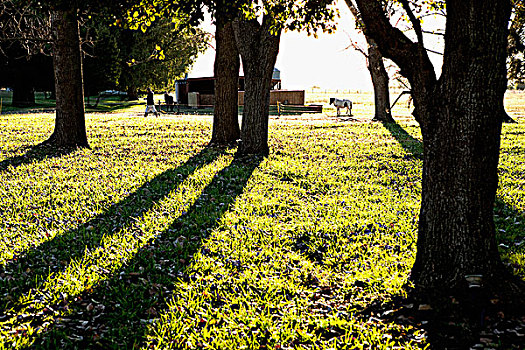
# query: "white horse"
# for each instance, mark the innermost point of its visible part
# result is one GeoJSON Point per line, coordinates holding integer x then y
{"type": "Point", "coordinates": [338, 103]}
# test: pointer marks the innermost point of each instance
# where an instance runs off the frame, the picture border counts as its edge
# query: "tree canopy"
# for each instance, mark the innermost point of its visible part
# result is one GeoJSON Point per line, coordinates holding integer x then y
{"type": "Point", "coordinates": [131, 60]}
{"type": "Point", "coordinates": [516, 60]}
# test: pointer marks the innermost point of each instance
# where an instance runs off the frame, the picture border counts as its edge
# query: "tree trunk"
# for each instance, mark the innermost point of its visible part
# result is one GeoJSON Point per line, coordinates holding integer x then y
{"type": "Point", "coordinates": [23, 94]}
{"type": "Point", "coordinates": [506, 118]}
{"type": "Point", "coordinates": [258, 48]}
{"type": "Point", "coordinates": [377, 70]}
{"type": "Point", "coordinates": [461, 149]}
{"type": "Point", "coordinates": [380, 79]}
{"type": "Point", "coordinates": [226, 69]}
{"type": "Point", "coordinates": [460, 119]}
{"type": "Point", "coordinates": [132, 94]}
{"type": "Point", "coordinates": [70, 126]}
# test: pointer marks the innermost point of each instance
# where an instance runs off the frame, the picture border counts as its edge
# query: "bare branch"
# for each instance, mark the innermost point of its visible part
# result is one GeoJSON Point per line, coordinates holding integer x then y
{"type": "Point", "coordinates": [355, 13]}
{"type": "Point", "coordinates": [415, 22]}
{"type": "Point", "coordinates": [433, 33]}
{"type": "Point", "coordinates": [432, 51]}
{"type": "Point", "coordinates": [353, 9]}
{"type": "Point", "coordinates": [26, 38]}
{"type": "Point", "coordinates": [27, 25]}
{"type": "Point", "coordinates": [356, 47]}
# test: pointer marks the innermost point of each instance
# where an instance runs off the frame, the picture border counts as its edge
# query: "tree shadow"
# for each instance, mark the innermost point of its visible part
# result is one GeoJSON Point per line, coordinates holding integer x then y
{"type": "Point", "coordinates": [112, 106]}
{"type": "Point", "coordinates": [409, 143]}
{"type": "Point", "coordinates": [125, 304]}
{"type": "Point", "coordinates": [26, 271]}
{"type": "Point", "coordinates": [36, 153]}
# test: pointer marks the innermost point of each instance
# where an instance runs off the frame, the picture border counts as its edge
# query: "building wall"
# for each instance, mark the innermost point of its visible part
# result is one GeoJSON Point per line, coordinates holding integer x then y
{"type": "Point", "coordinates": [290, 97]}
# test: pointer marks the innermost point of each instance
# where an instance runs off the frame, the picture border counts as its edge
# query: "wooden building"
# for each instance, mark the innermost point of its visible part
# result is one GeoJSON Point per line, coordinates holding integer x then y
{"type": "Point", "coordinates": [199, 92]}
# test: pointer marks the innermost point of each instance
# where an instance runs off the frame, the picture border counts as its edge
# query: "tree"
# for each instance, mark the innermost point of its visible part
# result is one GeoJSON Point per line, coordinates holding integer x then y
{"type": "Point", "coordinates": [24, 62]}
{"type": "Point", "coordinates": [516, 60]}
{"type": "Point", "coordinates": [101, 57]}
{"type": "Point", "coordinates": [258, 46]}
{"type": "Point", "coordinates": [69, 122]}
{"type": "Point", "coordinates": [378, 73]}
{"type": "Point", "coordinates": [226, 129]}
{"type": "Point", "coordinates": [37, 23]}
{"type": "Point", "coordinates": [257, 34]}
{"type": "Point", "coordinates": [157, 56]}
{"type": "Point", "coordinates": [25, 74]}
{"type": "Point", "coordinates": [460, 117]}
{"type": "Point", "coordinates": [70, 126]}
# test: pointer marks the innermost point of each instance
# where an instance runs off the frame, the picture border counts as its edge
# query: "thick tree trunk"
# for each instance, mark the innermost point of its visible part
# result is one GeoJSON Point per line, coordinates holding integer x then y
{"type": "Point", "coordinates": [226, 69]}
{"type": "Point", "coordinates": [505, 117]}
{"type": "Point", "coordinates": [378, 73]}
{"type": "Point", "coordinates": [461, 149]}
{"type": "Point", "coordinates": [258, 48]}
{"type": "Point", "coordinates": [133, 95]}
{"type": "Point", "coordinates": [460, 119]}
{"type": "Point", "coordinates": [380, 79]}
{"type": "Point", "coordinates": [23, 94]}
{"type": "Point", "coordinates": [70, 126]}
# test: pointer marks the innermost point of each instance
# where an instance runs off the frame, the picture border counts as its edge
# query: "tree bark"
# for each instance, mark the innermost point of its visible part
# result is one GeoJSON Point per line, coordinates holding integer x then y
{"type": "Point", "coordinates": [380, 80]}
{"type": "Point", "coordinates": [23, 94]}
{"type": "Point", "coordinates": [258, 48]}
{"type": "Point", "coordinates": [133, 95]}
{"type": "Point", "coordinates": [462, 141]}
{"type": "Point", "coordinates": [506, 118]}
{"type": "Point", "coordinates": [461, 124]}
{"type": "Point", "coordinates": [70, 126]}
{"type": "Point", "coordinates": [226, 69]}
{"type": "Point", "coordinates": [378, 73]}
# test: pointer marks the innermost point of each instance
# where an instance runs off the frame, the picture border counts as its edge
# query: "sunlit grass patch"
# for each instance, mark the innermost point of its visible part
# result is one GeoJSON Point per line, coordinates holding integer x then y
{"type": "Point", "coordinates": [150, 239]}
{"type": "Point", "coordinates": [510, 206]}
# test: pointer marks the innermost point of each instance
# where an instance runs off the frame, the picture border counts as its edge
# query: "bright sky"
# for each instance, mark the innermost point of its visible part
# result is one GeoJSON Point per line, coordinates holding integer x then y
{"type": "Point", "coordinates": [305, 61]}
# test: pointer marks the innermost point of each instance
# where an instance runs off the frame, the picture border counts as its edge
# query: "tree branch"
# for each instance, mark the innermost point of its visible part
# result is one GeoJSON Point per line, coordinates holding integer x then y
{"type": "Point", "coordinates": [411, 57]}
{"type": "Point", "coordinates": [357, 48]}
{"type": "Point", "coordinates": [433, 33]}
{"type": "Point", "coordinates": [415, 22]}
{"type": "Point", "coordinates": [354, 10]}
{"type": "Point", "coordinates": [393, 43]}
{"type": "Point", "coordinates": [26, 38]}
{"type": "Point", "coordinates": [355, 13]}
{"type": "Point", "coordinates": [436, 52]}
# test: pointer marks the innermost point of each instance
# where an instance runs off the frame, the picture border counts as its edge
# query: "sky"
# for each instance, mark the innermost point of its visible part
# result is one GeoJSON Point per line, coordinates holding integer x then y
{"type": "Point", "coordinates": [305, 61]}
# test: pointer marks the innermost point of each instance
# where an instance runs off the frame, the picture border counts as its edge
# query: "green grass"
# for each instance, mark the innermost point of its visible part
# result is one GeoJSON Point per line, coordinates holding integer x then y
{"type": "Point", "coordinates": [151, 240]}
{"type": "Point", "coordinates": [43, 104]}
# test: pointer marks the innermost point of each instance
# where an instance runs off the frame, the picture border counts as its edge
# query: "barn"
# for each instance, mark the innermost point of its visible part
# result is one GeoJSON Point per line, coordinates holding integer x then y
{"type": "Point", "coordinates": [199, 92]}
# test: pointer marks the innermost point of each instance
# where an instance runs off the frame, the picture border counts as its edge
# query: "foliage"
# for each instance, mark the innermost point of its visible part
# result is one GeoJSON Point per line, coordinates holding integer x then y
{"type": "Point", "coordinates": [516, 60]}
{"type": "Point", "coordinates": [129, 59]}
{"type": "Point", "coordinates": [309, 15]}
{"type": "Point", "coordinates": [150, 238]}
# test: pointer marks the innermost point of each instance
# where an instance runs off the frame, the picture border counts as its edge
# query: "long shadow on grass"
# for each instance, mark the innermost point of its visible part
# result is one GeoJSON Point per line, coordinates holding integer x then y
{"type": "Point", "coordinates": [125, 304]}
{"type": "Point", "coordinates": [27, 270]}
{"type": "Point", "coordinates": [34, 154]}
{"type": "Point", "coordinates": [111, 107]}
{"type": "Point", "coordinates": [407, 141]}
{"type": "Point", "coordinates": [458, 326]}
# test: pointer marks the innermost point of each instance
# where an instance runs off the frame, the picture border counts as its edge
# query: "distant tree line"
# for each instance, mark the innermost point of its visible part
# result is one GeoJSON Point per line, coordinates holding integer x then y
{"type": "Point", "coordinates": [113, 58]}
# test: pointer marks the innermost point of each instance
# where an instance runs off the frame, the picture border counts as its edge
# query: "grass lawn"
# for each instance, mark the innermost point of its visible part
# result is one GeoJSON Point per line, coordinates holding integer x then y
{"type": "Point", "coordinates": [46, 104]}
{"type": "Point", "coordinates": [151, 240]}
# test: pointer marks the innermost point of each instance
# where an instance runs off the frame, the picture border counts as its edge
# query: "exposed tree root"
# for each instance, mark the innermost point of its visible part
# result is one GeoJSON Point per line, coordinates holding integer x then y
{"type": "Point", "coordinates": [490, 316]}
